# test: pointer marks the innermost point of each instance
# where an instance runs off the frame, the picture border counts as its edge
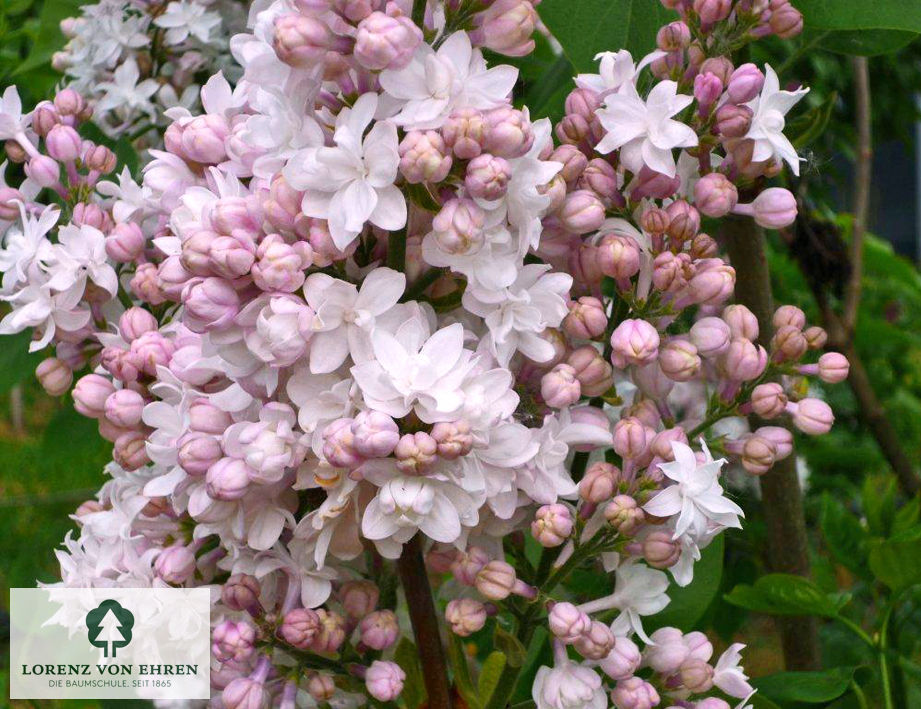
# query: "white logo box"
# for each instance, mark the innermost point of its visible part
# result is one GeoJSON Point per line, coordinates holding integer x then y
{"type": "Point", "coordinates": [117, 643]}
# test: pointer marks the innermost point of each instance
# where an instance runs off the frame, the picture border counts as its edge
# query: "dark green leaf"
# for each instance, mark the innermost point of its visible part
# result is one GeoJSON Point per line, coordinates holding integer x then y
{"type": "Point", "coordinates": [862, 27]}
{"type": "Point", "coordinates": [49, 39]}
{"type": "Point", "coordinates": [879, 503]}
{"type": "Point", "coordinates": [490, 674]}
{"type": "Point", "coordinates": [688, 604]}
{"type": "Point", "coordinates": [845, 537]}
{"type": "Point", "coordinates": [896, 563]}
{"type": "Point", "coordinates": [17, 364]}
{"type": "Point", "coordinates": [511, 647]}
{"type": "Point", "coordinates": [806, 128]}
{"type": "Point", "coordinates": [586, 27]}
{"type": "Point", "coordinates": [906, 518]}
{"type": "Point", "coordinates": [407, 657]}
{"type": "Point", "coordinates": [462, 671]}
{"type": "Point", "coordinates": [807, 687]}
{"type": "Point", "coordinates": [785, 594]}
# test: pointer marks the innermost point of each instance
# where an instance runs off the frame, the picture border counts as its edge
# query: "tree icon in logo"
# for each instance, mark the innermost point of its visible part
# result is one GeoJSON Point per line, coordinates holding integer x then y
{"type": "Point", "coordinates": [109, 626]}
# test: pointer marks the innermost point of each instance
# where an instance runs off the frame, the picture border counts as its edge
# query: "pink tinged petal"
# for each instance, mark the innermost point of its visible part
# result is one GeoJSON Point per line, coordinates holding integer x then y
{"type": "Point", "coordinates": [375, 524]}
{"type": "Point", "coordinates": [444, 347]}
{"type": "Point", "coordinates": [389, 352]}
{"type": "Point", "coordinates": [380, 291]}
{"type": "Point", "coordinates": [165, 484]}
{"type": "Point", "coordinates": [266, 528]}
{"type": "Point", "coordinates": [665, 504]}
{"type": "Point", "coordinates": [328, 351]}
{"type": "Point", "coordinates": [390, 210]}
{"type": "Point", "coordinates": [441, 523]}
{"type": "Point", "coordinates": [659, 159]}
{"type": "Point", "coordinates": [491, 88]}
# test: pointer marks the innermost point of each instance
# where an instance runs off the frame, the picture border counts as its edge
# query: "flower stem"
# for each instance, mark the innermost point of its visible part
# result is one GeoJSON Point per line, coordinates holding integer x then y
{"type": "Point", "coordinates": [418, 14]}
{"type": "Point", "coordinates": [415, 580]}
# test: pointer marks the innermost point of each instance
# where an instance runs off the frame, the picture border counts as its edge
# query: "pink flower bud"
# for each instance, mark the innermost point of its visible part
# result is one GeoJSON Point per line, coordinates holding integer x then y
{"type": "Point", "coordinates": [124, 408]}
{"type": "Point", "coordinates": [559, 387]}
{"type": "Point", "coordinates": [100, 158]}
{"type": "Point", "coordinates": [465, 616]}
{"type": "Point", "coordinates": [711, 11]}
{"type": "Point", "coordinates": [573, 161]}
{"type": "Point", "coordinates": [582, 212]}
{"type": "Point", "coordinates": [768, 400]}
{"type": "Point", "coordinates": [241, 593]}
{"type": "Point", "coordinates": [599, 482]}
{"type": "Point", "coordinates": [623, 659]}
{"type": "Point", "coordinates": [774, 208]}
{"type": "Point", "coordinates": [618, 256]}
{"type": "Point", "coordinates": [487, 177]}
{"type": "Point", "coordinates": [567, 622]}
{"type": "Point", "coordinates": [786, 21]}
{"type": "Point", "coordinates": [741, 321]}
{"type": "Point", "coordinates": [205, 417]}
{"type": "Point", "coordinates": [714, 195]}
{"type": "Point", "coordinates": [44, 118]}
{"type": "Point", "coordinates": [684, 220]}
{"type": "Point", "coordinates": [151, 350]}
{"type": "Point", "coordinates": [758, 454]}
{"type": "Point", "coordinates": [780, 437]}
{"type": "Point", "coordinates": [384, 680]}
{"type": "Point", "coordinates": [458, 227]}
{"type": "Point", "coordinates": [668, 651]}
{"type": "Point", "coordinates": [321, 687]}
{"type": "Point", "coordinates": [673, 36]}
{"type": "Point", "coordinates": [227, 479]}
{"type": "Point", "coordinates": [339, 444]}
{"type": "Point", "coordinates": [634, 692]}
{"type": "Point", "coordinates": [696, 676]}
{"type": "Point", "coordinates": [733, 121]}
{"type": "Point", "coordinates": [359, 598]}
{"type": "Point", "coordinates": [90, 395]}
{"type": "Point", "coordinates": [375, 434]}
{"type": "Point", "coordinates": [453, 438]}
{"type": "Point", "coordinates": [743, 361]}
{"type": "Point", "coordinates": [134, 322]}
{"type": "Point", "coordinates": [379, 630]}
{"type": "Point", "coordinates": [279, 266]}
{"type": "Point", "coordinates": [634, 342]}
{"type": "Point", "coordinates": [299, 627]}
{"type": "Point", "coordinates": [594, 374]}
{"type": "Point", "coordinates": [211, 305]}
{"type": "Point", "coordinates": [506, 27]}
{"type": "Point", "coordinates": [552, 525]}
{"type": "Point", "coordinates": [416, 453]}
{"type": "Point", "coordinates": [651, 380]}
{"type": "Point", "coordinates": [175, 564]}
{"type": "Point", "coordinates": [43, 170]}
{"type": "Point", "coordinates": [670, 272]}
{"type": "Point", "coordinates": [385, 42]}
{"type": "Point", "coordinates": [203, 139]}
{"type": "Point", "coordinates": [600, 177]}
{"type": "Point", "coordinates": [661, 551]}
{"type": "Point", "coordinates": [596, 643]}
{"type": "Point", "coordinates": [745, 83]}
{"type": "Point", "coordinates": [130, 450]}
{"type": "Point", "coordinates": [661, 444]}
{"type": "Point", "coordinates": [232, 256]}
{"type": "Point", "coordinates": [63, 143]}
{"type": "Point", "coordinates": [509, 135]}
{"type": "Point", "coordinates": [712, 283]}
{"type": "Point", "coordinates": [586, 319]}
{"type": "Point", "coordinates": [812, 416]}
{"type": "Point", "coordinates": [125, 243]}
{"type": "Point", "coordinates": [198, 452]}
{"type": "Point", "coordinates": [833, 367]}
{"type": "Point", "coordinates": [233, 640]}
{"type": "Point", "coordinates": [468, 564]}
{"type": "Point", "coordinates": [245, 693]}
{"type": "Point", "coordinates": [816, 337]}
{"type": "Point", "coordinates": [707, 89]}
{"type": "Point", "coordinates": [68, 102]}
{"type": "Point", "coordinates": [497, 581]}
{"type": "Point", "coordinates": [789, 315]}
{"type": "Point", "coordinates": [624, 514]}
{"type": "Point", "coordinates": [720, 66]}
{"type": "Point", "coordinates": [424, 157]}
{"type": "Point", "coordinates": [91, 215]}
{"type": "Point", "coordinates": [301, 41]}
{"type": "Point", "coordinates": [679, 360]}
{"type": "Point", "coordinates": [466, 132]}
{"type": "Point", "coordinates": [55, 376]}
{"type": "Point", "coordinates": [631, 438]}
{"type": "Point", "coordinates": [788, 344]}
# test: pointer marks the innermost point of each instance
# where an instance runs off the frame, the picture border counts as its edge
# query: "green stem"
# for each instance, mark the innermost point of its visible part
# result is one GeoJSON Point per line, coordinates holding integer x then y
{"type": "Point", "coordinates": [884, 660]}
{"type": "Point", "coordinates": [396, 249]}
{"type": "Point", "coordinates": [418, 14]}
{"type": "Point", "coordinates": [859, 695]}
{"type": "Point", "coordinates": [857, 630]}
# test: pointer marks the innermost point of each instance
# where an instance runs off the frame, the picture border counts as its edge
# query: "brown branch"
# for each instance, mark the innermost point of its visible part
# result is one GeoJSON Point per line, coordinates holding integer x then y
{"type": "Point", "coordinates": [787, 544]}
{"type": "Point", "coordinates": [415, 580]}
{"type": "Point", "coordinates": [862, 176]}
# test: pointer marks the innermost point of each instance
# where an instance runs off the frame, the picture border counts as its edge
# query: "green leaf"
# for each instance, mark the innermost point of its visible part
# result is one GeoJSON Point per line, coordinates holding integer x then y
{"type": "Point", "coordinates": [786, 594]}
{"type": "Point", "coordinates": [805, 129]}
{"type": "Point", "coordinates": [462, 671]}
{"type": "Point", "coordinates": [878, 498]}
{"type": "Point", "coordinates": [845, 537]}
{"type": "Point", "coordinates": [511, 646]}
{"type": "Point", "coordinates": [688, 604]}
{"type": "Point", "coordinates": [586, 27]}
{"type": "Point", "coordinates": [907, 516]}
{"type": "Point", "coordinates": [17, 364]}
{"type": "Point", "coordinates": [49, 38]}
{"type": "Point", "coordinates": [862, 27]}
{"type": "Point", "coordinates": [896, 563]}
{"type": "Point", "coordinates": [807, 687]}
{"type": "Point", "coordinates": [407, 657]}
{"type": "Point", "coordinates": [490, 674]}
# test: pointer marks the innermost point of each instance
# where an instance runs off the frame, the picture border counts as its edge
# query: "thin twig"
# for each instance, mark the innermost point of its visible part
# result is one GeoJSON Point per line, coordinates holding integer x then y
{"type": "Point", "coordinates": [862, 176]}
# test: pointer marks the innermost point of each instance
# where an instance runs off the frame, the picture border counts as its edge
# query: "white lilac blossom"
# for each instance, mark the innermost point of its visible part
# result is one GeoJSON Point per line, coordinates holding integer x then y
{"type": "Point", "coordinates": [358, 308]}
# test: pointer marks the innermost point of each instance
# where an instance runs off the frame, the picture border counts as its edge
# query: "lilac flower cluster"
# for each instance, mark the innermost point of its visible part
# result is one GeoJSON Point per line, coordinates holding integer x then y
{"type": "Point", "coordinates": [361, 300]}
